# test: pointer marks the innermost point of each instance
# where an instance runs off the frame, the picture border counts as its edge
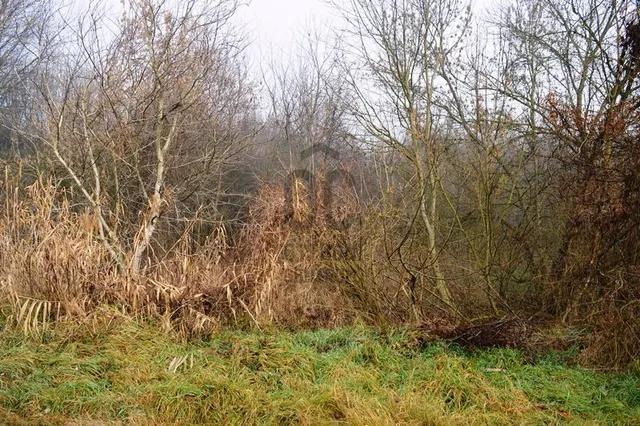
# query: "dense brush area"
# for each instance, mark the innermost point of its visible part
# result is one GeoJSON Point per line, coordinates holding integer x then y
{"type": "Point", "coordinates": [54, 270]}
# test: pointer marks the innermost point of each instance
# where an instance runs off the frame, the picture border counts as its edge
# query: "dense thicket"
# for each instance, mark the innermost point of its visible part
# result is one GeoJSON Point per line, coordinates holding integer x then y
{"type": "Point", "coordinates": [417, 165]}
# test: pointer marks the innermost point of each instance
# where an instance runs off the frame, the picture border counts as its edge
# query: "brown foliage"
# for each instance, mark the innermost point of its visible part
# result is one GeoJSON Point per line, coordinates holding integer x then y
{"type": "Point", "coordinates": [596, 269]}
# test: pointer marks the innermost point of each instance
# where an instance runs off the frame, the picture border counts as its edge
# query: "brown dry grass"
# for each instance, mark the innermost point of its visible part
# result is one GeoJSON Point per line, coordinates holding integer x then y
{"type": "Point", "coordinates": [281, 271]}
{"type": "Point", "coordinates": [53, 267]}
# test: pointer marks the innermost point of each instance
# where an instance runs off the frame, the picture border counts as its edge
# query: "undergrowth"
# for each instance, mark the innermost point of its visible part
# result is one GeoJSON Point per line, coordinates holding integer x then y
{"type": "Point", "coordinates": [127, 372]}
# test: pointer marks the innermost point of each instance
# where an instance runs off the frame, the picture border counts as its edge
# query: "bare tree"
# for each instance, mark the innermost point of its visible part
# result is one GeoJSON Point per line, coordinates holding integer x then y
{"type": "Point", "coordinates": [401, 51]}
{"type": "Point", "coordinates": [144, 112]}
{"type": "Point", "coordinates": [487, 186]}
{"type": "Point", "coordinates": [26, 33]}
{"type": "Point", "coordinates": [307, 99]}
{"type": "Point", "coordinates": [572, 65]}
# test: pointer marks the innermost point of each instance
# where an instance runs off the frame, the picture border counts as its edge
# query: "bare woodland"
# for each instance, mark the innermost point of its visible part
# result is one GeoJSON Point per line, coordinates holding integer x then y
{"type": "Point", "coordinates": [416, 165]}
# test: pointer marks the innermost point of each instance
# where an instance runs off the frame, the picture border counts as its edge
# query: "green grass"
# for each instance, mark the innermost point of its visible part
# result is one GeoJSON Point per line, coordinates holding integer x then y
{"type": "Point", "coordinates": [120, 374]}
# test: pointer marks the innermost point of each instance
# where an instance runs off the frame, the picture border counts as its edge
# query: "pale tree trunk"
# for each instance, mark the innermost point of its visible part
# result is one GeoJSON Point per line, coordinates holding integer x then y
{"type": "Point", "coordinates": [157, 200]}
{"type": "Point", "coordinates": [428, 204]}
{"type": "Point", "coordinates": [428, 213]}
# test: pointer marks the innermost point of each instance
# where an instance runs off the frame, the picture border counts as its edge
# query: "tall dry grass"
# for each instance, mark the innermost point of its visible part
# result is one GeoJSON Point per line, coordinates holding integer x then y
{"type": "Point", "coordinates": [300, 271]}
{"type": "Point", "coordinates": [53, 267]}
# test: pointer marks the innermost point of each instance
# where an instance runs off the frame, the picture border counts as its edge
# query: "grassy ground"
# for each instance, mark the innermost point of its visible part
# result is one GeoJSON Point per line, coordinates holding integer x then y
{"type": "Point", "coordinates": [120, 372]}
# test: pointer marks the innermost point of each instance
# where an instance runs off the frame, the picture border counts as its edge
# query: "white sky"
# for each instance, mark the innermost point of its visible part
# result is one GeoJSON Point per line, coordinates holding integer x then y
{"type": "Point", "coordinates": [275, 25]}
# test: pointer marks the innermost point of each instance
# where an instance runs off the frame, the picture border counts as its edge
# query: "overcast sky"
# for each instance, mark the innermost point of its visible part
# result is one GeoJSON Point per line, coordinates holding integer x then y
{"type": "Point", "coordinates": [274, 26]}
{"type": "Point", "coordinates": [277, 24]}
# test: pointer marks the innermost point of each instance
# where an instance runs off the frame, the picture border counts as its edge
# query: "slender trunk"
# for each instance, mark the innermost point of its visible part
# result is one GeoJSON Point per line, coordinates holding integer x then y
{"type": "Point", "coordinates": [154, 209]}
{"type": "Point", "coordinates": [428, 205]}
